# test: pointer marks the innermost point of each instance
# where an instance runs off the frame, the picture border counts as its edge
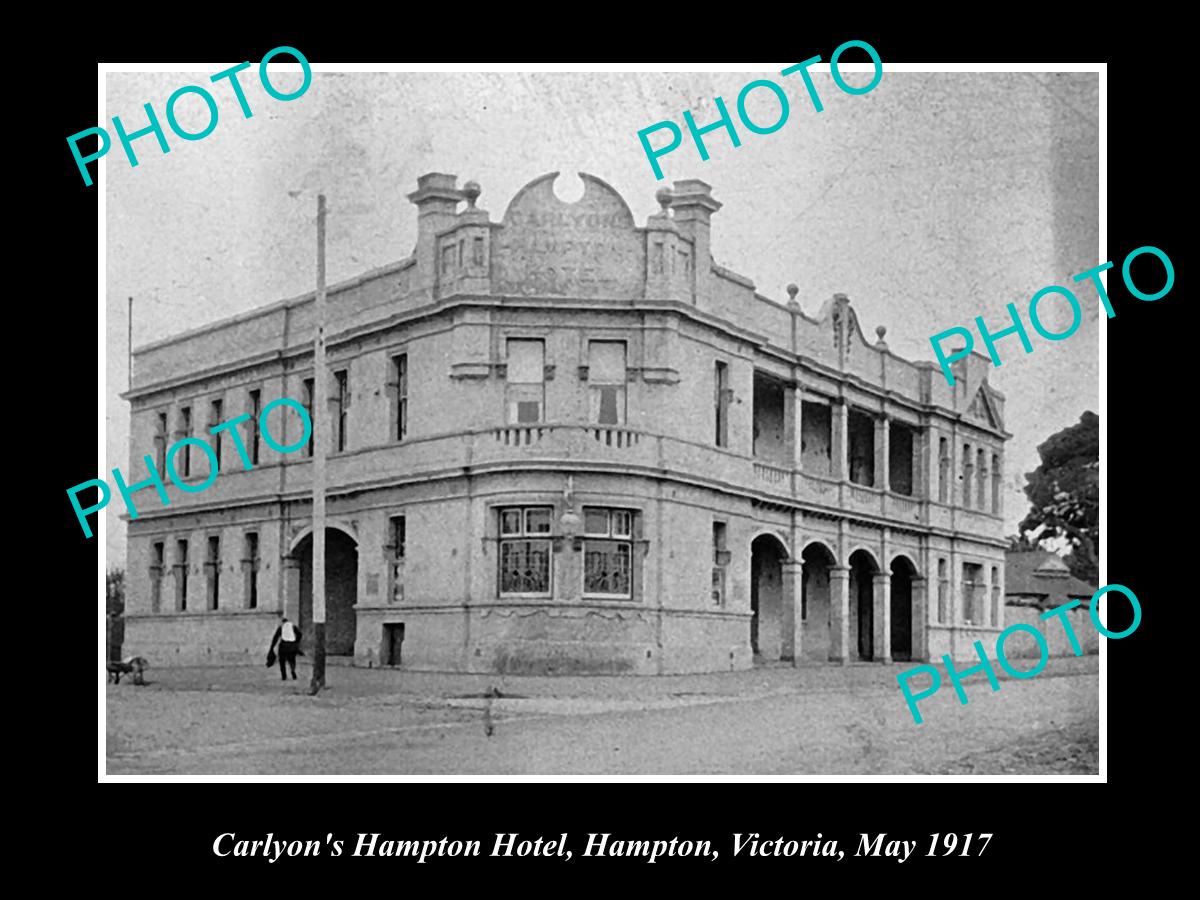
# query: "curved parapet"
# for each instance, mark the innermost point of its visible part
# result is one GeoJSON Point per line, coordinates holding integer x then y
{"type": "Point", "coordinates": [548, 247]}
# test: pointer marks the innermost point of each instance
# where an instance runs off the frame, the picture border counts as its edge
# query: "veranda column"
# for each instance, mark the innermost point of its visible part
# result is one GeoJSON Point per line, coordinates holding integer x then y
{"type": "Point", "coordinates": [920, 618]}
{"type": "Point", "coordinates": [882, 598]}
{"type": "Point", "coordinates": [839, 613]}
{"type": "Point", "coordinates": [793, 583]}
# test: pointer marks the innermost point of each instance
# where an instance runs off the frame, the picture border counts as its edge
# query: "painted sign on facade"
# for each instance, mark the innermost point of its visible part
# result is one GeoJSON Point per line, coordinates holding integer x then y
{"type": "Point", "coordinates": [589, 248]}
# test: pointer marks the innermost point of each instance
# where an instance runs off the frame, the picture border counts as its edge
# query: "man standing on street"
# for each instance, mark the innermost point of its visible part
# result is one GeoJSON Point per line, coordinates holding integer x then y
{"type": "Point", "coordinates": [287, 636]}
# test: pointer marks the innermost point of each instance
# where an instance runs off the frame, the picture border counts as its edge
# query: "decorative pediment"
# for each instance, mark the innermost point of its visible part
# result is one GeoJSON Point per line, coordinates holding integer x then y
{"type": "Point", "coordinates": [589, 248]}
{"type": "Point", "coordinates": [983, 408]}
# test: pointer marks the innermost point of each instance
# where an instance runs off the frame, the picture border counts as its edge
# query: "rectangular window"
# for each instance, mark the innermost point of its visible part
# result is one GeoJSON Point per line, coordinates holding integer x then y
{"type": "Point", "coordinates": [160, 444]}
{"type": "Point", "coordinates": [525, 551]}
{"type": "Point", "coordinates": [477, 252]}
{"type": "Point", "coordinates": [607, 553]}
{"type": "Point", "coordinates": [658, 258]}
{"type": "Point", "coordinates": [722, 395]}
{"type": "Point", "coordinates": [255, 412]}
{"type": "Point", "coordinates": [995, 597]}
{"type": "Point", "coordinates": [981, 476]}
{"type": "Point", "coordinates": [181, 575]}
{"type": "Point", "coordinates": [996, 475]}
{"type": "Point", "coordinates": [342, 383]}
{"type": "Point", "coordinates": [943, 470]}
{"type": "Point", "coordinates": [184, 456]}
{"type": "Point", "coordinates": [215, 415]}
{"type": "Point", "coordinates": [968, 471]}
{"type": "Point", "coordinates": [157, 553]}
{"type": "Point", "coordinates": [400, 386]}
{"type": "Point", "coordinates": [685, 262]}
{"type": "Point", "coordinates": [973, 585]}
{"type": "Point", "coordinates": [214, 572]}
{"type": "Point", "coordinates": [943, 604]}
{"type": "Point", "coordinates": [252, 570]}
{"type": "Point", "coordinates": [720, 562]}
{"type": "Point", "coordinates": [447, 258]}
{"type": "Point", "coordinates": [606, 381]}
{"type": "Point", "coordinates": [526, 377]}
{"type": "Point", "coordinates": [397, 538]}
{"type": "Point", "coordinates": [309, 392]}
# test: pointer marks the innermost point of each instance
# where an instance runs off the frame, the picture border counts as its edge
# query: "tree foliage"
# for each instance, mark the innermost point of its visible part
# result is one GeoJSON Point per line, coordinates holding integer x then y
{"type": "Point", "coordinates": [1065, 495]}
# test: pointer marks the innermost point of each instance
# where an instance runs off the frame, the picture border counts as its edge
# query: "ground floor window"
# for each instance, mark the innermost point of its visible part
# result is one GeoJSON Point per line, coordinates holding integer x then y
{"type": "Point", "coordinates": [525, 551]}
{"type": "Point", "coordinates": [973, 588]}
{"type": "Point", "coordinates": [607, 553]}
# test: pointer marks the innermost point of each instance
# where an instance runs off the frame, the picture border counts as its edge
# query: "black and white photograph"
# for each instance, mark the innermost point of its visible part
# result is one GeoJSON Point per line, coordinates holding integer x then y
{"type": "Point", "coordinates": [454, 441]}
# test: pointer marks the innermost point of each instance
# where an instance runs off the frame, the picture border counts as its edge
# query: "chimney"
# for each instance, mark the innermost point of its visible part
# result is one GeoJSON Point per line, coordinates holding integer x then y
{"type": "Point", "coordinates": [436, 199]}
{"type": "Point", "coordinates": [694, 205]}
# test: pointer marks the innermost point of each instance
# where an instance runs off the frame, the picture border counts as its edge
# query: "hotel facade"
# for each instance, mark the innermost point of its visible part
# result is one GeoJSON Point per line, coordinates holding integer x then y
{"type": "Point", "coordinates": [561, 442]}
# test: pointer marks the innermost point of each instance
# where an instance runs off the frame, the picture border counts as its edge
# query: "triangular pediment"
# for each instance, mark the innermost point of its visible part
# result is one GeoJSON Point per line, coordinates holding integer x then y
{"type": "Point", "coordinates": [983, 409]}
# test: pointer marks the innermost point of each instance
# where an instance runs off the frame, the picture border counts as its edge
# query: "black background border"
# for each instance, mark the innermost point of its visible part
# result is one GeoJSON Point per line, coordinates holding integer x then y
{"type": "Point", "coordinates": [1146, 80]}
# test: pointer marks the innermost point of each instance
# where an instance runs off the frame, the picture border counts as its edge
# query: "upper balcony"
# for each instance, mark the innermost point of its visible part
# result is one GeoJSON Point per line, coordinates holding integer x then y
{"type": "Point", "coordinates": [578, 447]}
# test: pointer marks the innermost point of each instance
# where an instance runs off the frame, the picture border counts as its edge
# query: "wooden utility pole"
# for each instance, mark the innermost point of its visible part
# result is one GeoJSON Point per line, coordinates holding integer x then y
{"type": "Point", "coordinates": [320, 426]}
{"type": "Point", "coordinates": [129, 347]}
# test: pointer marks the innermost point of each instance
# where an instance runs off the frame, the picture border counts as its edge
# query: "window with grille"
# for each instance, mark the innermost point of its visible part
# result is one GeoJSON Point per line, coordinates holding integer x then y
{"type": "Point", "coordinates": [607, 552]}
{"type": "Point", "coordinates": [525, 551]}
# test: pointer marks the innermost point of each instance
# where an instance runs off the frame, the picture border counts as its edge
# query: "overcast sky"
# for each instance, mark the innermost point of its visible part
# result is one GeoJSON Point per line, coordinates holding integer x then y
{"type": "Point", "coordinates": [931, 200]}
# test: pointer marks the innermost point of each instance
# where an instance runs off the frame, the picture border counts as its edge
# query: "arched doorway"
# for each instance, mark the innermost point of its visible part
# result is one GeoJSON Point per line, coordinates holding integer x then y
{"type": "Point", "coordinates": [903, 573]}
{"type": "Point", "coordinates": [815, 601]}
{"type": "Point", "coordinates": [341, 591]}
{"type": "Point", "coordinates": [767, 555]}
{"type": "Point", "coordinates": [863, 570]}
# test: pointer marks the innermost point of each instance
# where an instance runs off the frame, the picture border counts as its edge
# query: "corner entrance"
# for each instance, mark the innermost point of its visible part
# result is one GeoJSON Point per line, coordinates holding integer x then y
{"type": "Point", "coordinates": [341, 592]}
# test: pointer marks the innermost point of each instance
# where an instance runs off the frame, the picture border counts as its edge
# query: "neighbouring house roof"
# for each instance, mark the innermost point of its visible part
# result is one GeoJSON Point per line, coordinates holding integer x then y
{"type": "Point", "coordinates": [1042, 578]}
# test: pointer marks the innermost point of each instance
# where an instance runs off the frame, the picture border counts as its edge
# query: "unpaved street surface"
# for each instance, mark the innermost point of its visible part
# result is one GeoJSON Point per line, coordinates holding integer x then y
{"type": "Point", "coordinates": [770, 721]}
